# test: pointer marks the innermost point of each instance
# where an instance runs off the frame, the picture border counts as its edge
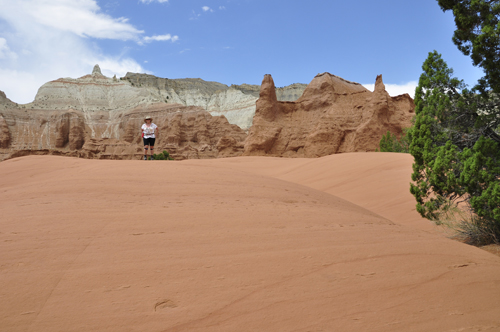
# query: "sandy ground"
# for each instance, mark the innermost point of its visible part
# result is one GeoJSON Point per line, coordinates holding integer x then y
{"type": "Point", "coordinates": [238, 244]}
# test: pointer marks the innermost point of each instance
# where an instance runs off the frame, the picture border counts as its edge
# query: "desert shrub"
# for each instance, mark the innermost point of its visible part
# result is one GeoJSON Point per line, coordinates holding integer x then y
{"type": "Point", "coordinates": [477, 231]}
{"type": "Point", "coordinates": [469, 228]}
{"type": "Point", "coordinates": [163, 156]}
{"type": "Point", "coordinates": [391, 143]}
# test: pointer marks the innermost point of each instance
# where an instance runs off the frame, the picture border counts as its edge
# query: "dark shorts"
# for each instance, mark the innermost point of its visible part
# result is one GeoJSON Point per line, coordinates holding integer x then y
{"type": "Point", "coordinates": [149, 141]}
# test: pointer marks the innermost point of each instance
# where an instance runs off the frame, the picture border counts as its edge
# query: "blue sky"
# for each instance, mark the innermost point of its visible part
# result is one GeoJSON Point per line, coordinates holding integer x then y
{"type": "Point", "coordinates": [228, 41]}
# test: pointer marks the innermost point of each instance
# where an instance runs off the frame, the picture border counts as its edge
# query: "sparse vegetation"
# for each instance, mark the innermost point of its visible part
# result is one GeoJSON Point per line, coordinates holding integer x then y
{"type": "Point", "coordinates": [162, 156]}
{"type": "Point", "coordinates": [467, 227]}
{"type": "Point", "coordinates": [391, 143]}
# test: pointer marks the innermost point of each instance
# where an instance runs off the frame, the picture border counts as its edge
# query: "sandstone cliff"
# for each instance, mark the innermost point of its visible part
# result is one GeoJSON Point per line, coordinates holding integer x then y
{"type": "Point", "coordinates": [332, 116]}
{"type": "Point", "coordinates": [99, 117]}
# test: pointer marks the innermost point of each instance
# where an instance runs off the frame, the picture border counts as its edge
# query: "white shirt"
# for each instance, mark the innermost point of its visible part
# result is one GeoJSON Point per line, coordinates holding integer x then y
{"type": "Point", "coordinates": [149, 132]}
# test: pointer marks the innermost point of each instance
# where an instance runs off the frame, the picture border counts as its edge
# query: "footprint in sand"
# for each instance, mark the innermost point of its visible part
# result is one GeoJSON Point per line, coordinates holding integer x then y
{"type": "Point", "coordinates": [165, 304]}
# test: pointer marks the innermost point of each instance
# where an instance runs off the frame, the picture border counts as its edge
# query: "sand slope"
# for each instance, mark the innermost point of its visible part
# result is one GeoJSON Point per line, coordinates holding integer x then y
{"type": "Point", "coordinates": [376, 181]}
{"type": "Point", "coordinates": [243, 244]}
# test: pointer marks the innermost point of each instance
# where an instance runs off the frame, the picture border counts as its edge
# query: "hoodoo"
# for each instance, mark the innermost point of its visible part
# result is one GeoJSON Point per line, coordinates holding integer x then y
{"type": "Point", "coordinates": [95, 116]}
{"type": "Point", "coordinates": [332, 116]}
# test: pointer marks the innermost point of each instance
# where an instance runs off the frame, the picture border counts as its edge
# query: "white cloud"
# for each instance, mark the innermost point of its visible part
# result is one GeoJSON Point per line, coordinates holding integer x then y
{"type": "Point", "coordinates": [5, 52]}
{"type": "Point", "coordinates": [397, 89]}
{"type": "Point", "coordinates": [195, 16]}
{"type": "Point", "coordinates": [205, 9]}
{"type": "Point", "coordinates": [81, 17]}
{"type": "Point", "coordinates": [222, 7]}
{"type": "Point", "coordinates": [161, 38]}
{"type": "Point", "coordinates": [115, 66]}
{"type": "Point", "coordinates": [23, 84]}
{"type": "Point", "coordinates": [35, 49]}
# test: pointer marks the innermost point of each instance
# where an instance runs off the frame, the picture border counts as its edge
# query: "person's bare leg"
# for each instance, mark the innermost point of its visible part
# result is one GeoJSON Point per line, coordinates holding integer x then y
{"type": "Point", "coordinates": [145, 152]}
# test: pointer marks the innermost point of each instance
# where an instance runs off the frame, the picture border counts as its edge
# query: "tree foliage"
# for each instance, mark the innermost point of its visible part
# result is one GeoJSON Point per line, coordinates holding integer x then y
{"type": "Point", "coordinates": [456, 161]}
{"type": "Point", "coordinates": [478, 35]}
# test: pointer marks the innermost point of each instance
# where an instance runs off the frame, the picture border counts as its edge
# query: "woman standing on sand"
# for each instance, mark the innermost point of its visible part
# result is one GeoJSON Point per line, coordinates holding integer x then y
{"type": "Point", "coordinates": [149, 133]}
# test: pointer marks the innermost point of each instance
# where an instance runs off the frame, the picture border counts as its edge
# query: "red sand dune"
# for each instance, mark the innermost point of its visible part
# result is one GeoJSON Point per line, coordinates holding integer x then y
{"type": "Point", "coordinates": [240, 244]}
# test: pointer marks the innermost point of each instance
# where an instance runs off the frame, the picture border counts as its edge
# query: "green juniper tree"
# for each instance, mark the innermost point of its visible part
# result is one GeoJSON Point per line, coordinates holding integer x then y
{"type": "Point", "coordinates": [455, 160]}
{"type": "Point", "coordinates": [455, 140]}
{"type": "Point", "coordinates": [434, 95]}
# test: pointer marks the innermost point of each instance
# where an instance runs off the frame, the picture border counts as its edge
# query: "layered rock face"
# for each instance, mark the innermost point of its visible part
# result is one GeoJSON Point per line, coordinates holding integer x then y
{"type": "Point", "coordinates": [99, 117]}
{"type": "Point", "coordinates": [236, 102]}
{"type": "Point", "coordinates": [100, 93]}
{"type": "Point", "coordinates": [332, 116]}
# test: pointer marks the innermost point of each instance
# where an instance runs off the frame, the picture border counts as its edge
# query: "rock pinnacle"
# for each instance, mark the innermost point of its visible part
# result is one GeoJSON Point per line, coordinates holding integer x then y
{"type": "Point", "coordinates": [96, 70]}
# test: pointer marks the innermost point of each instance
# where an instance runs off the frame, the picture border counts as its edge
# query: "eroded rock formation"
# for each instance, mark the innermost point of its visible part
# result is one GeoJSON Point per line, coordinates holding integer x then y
{"type": "Point", "coordinates": [235, 102]}
{"type": "Point", "coordinates": [99, 117]}
{"type": "Point", "coordinates": [332, 116]}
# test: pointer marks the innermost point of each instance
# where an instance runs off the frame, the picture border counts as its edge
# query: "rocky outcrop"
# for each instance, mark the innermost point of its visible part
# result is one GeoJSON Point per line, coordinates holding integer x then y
{"type": "Point", "coordinates": [288, 93]}
{"type": "Point", "coordinates": [5, 102]}
{"type": "Point", "coordinates": [332, 116]}
{"type": "Point", "coordinates": [93, 93]}
{"type": "Point", "coordinates": [185, 132]}
{"type": "Point", "coordinates": [235, 102]}
{"type": "Point", "coordinates": [4, 134]}
{"type": "Point", "coordinates": [97, 71]}
{"type": "Point", "coordinates": [99, 117]}
{"type": "Point", "coordinates": [70, 130]}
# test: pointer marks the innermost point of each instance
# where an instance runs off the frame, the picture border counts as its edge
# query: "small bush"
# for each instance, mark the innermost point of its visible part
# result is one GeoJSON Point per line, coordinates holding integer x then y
{"type": "Point", "coordinates": [478, 232]}
{"type": "Point", "coordinates": [391, 143]}
{"type": "Point", "coordinates": [163, 156]}
{"type": "Point", "coordinates": [470, 228]}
